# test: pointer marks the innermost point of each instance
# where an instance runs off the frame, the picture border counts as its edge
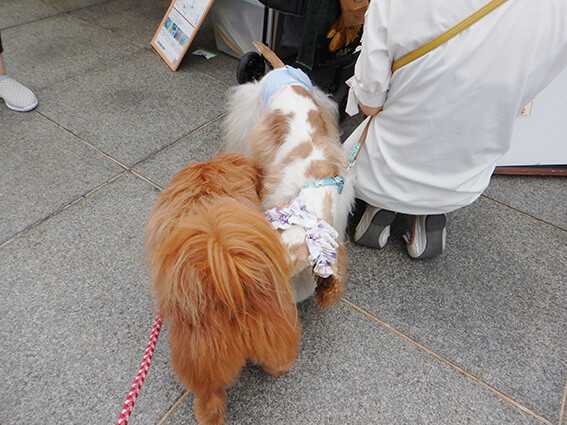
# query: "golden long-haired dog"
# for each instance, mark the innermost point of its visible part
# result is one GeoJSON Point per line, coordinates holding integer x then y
{"type": "Point", "coordinates": [220, 277]}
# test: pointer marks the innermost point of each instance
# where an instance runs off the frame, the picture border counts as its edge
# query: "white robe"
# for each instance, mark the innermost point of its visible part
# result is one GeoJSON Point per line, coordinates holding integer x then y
{"type": "Point", "coordinates": [448, 116]}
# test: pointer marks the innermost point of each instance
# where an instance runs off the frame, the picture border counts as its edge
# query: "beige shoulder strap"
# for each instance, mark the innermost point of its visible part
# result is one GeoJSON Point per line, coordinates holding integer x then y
{"type": "Point", "coordinates": [436, 42]}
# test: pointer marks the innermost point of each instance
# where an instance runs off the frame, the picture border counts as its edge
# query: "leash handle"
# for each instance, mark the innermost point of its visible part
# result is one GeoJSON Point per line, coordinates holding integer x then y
{"type": "Point", "coordinates": [358, 145]}
{"type": "Point", "coordinates": [141, 377]}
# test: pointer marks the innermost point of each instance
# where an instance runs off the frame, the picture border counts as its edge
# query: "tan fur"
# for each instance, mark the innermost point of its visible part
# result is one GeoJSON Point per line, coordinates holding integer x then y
{"type": "Point", "coordinates": [220, 277]}
{"type": "Point", "coordinates": [324, 121]}
{"type": "Point", "coordinates": [302, 91]}
{"type": "Point", "coordinates": [269, 55]}
{"type": "Point", "coordinates": [273, 176]}
{"type": "Point", "coordinates": [327, 214]}
{"type": "Point", "coordinates": [301, 151]}
{"type": "Point", "coordinates": [321, 168]}
{"type": "Point", "coordinates": [271, 132]}
{"type": "Point", "coordinates": [299, 253]}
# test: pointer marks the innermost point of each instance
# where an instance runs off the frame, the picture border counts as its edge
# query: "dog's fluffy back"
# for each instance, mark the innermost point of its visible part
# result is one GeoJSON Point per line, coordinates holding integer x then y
{"type": "Point", "coordinates": [207, 241]}
{"type": "Point", "coordinates": [245, 108]}
{"type": "Point", "coordinates": [229, 175]}
{"type": "Point", "coordinates": [225, 257]}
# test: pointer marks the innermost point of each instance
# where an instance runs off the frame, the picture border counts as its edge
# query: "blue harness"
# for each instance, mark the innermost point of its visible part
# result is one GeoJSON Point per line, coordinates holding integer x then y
{"type": "Point", "coordinates": [337, 180]}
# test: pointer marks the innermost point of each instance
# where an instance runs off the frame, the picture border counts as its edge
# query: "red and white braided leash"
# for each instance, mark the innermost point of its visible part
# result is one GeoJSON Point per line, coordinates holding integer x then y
{"type": "Point", "coordinates": [140, 378]}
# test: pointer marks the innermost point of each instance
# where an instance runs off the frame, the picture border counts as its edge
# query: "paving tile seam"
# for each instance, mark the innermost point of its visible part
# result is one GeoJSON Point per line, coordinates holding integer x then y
{"type": "Point", "coordinates": [60, 12]}
{"type": "Point", "coordinates": [80, 8]}
{"type": "Point", "coordinates": [524, 213]}
{"type": "Point", "coordinates": [90, 145]}
{"type": "Point", "coordinates": [143, 46]}
{"type": "Point", "coordinates": [56, 13]}
{"type": "Point", "coordinates": [126, 169]}
{"type": "Point", "coordinates": [451, 364]}
{"type": "Point", "coordinates": [173, 408]}
{"type": "Point", "coordinates": [98, 68]}
{"type": "Point", "coordinates": [106, 29]}
{"type": "Point", "coordinates": [147, 180]}
{"type": "Point", "coordinates": [60, 210]}
{"type": "Point", "coordinates": [179, 140]}
{"type": "Point", "coordinates": [125, 166]}
{"type": "Point", "coordinates": [430, 352]}
{"type": "Point", "coordinates": [563, 411]}
{"type": "Point", "coordinates": [212, 77]}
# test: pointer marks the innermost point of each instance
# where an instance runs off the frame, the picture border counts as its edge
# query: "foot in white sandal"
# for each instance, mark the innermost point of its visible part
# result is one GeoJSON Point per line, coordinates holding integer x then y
{"type": "Point", "coordinates": [16, 96]}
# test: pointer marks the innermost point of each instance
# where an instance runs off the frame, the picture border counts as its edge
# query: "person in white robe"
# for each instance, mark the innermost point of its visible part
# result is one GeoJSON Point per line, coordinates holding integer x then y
{"type": "Point", "coordinates": [441, 123]}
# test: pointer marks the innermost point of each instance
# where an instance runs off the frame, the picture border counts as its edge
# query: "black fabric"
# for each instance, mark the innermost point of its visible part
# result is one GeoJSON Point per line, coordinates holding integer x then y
{"type": "Point", "coordinates": [314, 53]}
{"type": "Point", "coordinates": [291, 7]}
{"type": "Point", "coordinates": [1, 49]}
{"type": "Point", "coordinates": [320, 15]}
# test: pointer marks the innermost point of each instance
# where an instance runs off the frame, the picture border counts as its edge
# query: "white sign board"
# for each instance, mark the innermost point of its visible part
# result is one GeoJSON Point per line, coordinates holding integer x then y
{"type": "Point", "coordinates": [178, 28]}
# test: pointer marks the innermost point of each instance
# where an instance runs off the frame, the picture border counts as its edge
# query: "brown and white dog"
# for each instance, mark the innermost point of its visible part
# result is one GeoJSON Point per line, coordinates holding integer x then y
{"type": "Point", "coordinates": [220, 277]}
{"type": "Point", "coordinates": [291, 134]}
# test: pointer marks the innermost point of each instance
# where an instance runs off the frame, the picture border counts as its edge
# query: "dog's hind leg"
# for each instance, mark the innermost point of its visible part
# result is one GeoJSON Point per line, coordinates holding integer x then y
{"type": "Point", "coordinates": [208, 383]}
{"type": "Point", "coordinates": [275, 342]}
{"type": "Point", "coordinates": [329, 290]}
{"type": "Point", "coordinates": [210, 406]}
{"type": "Point", "coordinates": [205, 361]}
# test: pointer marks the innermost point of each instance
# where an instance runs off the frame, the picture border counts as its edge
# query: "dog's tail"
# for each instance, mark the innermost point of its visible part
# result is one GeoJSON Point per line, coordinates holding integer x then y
{"type": "Point", "coordinates": [269, 55]}
{"type": "Point", "coordinates": [224, 253]}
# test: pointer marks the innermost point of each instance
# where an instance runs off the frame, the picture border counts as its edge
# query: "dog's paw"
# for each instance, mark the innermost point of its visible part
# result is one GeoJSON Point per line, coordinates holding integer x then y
{"type": "Point", "coordinates": [279, 371]}
{"type": "Point", "coordinates": [210, 408]}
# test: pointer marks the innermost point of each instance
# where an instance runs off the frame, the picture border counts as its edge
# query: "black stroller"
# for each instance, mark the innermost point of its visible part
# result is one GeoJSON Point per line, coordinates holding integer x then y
{"type": "Point", "coordinates": [297, 31]}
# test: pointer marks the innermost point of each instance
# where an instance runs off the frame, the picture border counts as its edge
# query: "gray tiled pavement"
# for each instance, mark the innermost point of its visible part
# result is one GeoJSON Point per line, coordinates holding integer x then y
{"type": "Point", "coordinates": [477, 336]}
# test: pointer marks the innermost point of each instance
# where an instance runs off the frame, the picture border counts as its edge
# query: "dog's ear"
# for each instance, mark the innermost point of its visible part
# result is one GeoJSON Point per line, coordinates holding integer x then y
{"type": "Point", "coordinates": [269, 55]}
